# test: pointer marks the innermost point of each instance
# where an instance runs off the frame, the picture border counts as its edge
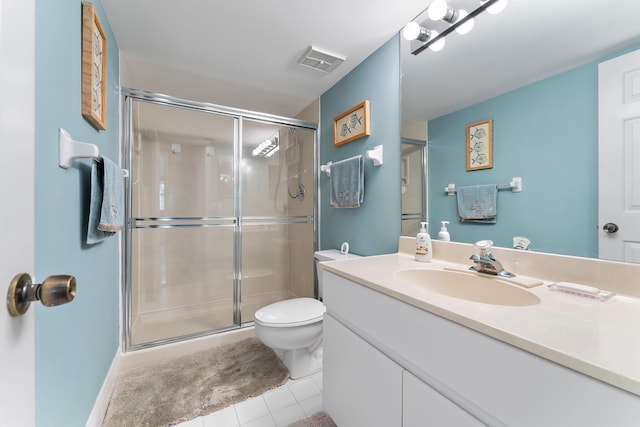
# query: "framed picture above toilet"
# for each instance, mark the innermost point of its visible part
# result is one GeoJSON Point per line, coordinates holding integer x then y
{"type": "Point", "coordinates": [352, 124]}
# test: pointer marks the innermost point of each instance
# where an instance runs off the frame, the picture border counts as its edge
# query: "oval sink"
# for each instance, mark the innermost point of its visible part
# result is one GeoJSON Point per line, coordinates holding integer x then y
{"type": "Point", "coordinates": [470, 287]}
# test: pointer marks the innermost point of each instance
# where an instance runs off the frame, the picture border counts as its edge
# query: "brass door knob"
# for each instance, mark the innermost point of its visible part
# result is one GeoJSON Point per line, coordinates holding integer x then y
{"type": "Point", "coordinates": [54, 290]}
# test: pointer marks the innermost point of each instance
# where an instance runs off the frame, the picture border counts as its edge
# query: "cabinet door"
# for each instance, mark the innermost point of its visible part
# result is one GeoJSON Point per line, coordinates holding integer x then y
{"type": "Point", "coordinates": [361, 386]}
{"type": "Point", "coordinates": [423, 406]}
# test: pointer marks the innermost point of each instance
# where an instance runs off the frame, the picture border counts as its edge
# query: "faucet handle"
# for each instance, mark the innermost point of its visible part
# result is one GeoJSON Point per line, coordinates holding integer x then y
{"type": "Point", "coordinates": [483, 247]}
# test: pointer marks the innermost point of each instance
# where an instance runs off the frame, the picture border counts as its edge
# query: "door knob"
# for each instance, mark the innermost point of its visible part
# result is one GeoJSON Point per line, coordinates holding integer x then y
{"type": "Point", "coordinates": [610, 227]}
{"type": "Point", "coordinates": [54, 290]}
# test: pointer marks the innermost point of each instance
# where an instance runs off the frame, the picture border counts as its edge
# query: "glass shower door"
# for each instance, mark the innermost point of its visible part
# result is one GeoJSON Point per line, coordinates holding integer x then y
{"type": "Point", "coordinates": [183, 222]}
{"type": "Point", "coordinates": [413, 176]}
{"type": "Point", "coordinates": [277, 226]}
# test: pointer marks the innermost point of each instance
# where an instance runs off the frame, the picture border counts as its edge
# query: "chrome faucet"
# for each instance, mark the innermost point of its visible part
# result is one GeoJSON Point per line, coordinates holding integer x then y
{"type": "Point", "coordinates": [485, 262]}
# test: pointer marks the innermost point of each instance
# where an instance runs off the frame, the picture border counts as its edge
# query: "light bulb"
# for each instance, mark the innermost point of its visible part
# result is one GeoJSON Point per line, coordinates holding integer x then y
{"type": "Point", "coordinates": [497, 7]}
{"type": "Point", "coordinates": [411, 31]}
{"type": "Point", "coordinates": [467, 26]}
{"type": "Point", "coordinates": [273, 151]}
{"type": "Point", "coordinates": [437, 10]}
{"type": "Point", "coordinates": [437, 45]}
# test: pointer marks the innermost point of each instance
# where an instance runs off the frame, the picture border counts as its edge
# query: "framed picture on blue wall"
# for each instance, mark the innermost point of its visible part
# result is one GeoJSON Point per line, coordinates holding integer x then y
{"type": "Point", "coordinates": [352, 124]}
{"type": "Point", "coordinates": [94, 68]}
{"type": "Point", "coordinates": [480, 145]}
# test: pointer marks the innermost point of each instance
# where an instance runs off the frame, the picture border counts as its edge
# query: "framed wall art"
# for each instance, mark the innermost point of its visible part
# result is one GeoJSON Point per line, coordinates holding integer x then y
{"type": "Point", "coordinates": [352, 124]}
{"type": "Point", "coordinates": [94, 68]}
{"type": "Point", "coordinates": [480, 145]}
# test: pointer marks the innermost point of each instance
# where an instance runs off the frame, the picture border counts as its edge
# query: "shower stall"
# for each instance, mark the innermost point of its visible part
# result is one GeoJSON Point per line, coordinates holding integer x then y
{"type": "Point", "coordinates": [413, 176]}
{"type": "Point", "coordinates": [221, 216]}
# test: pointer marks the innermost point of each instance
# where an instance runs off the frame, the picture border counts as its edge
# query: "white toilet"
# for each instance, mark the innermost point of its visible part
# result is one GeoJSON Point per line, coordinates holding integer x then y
{"type": "Point", "coordinates": [293, 328]}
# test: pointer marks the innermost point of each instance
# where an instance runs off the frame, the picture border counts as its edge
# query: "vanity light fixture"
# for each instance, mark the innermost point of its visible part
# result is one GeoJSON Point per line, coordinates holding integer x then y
{"type": "Point", "coordinates": [440, 10]}
{"type": "Point", "coordinates": [497, 7]}
{"type": "Point", "coordinates": [267, 148]}
{"type": "Point", "coordinates": [467, 26]}
{"type": "Point", "coordinates": [414, 31]}
{"type": "Point", "coordinates": [436, 45]}
{"type": "Point", "coordinates": [273, 151]}
{"type": "Point", "coordinates": [460, 21]}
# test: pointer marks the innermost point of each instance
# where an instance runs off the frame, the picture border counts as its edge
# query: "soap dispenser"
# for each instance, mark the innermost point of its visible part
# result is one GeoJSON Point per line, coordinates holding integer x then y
{"type": "Point", "coordinates": [423, 244]}
{"type": "Point", "coordinates": [444, 233]}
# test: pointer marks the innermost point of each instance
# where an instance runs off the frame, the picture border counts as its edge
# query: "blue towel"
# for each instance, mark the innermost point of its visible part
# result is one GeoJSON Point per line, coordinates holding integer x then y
{"type": "Point", "coordinates": [106, 209]}
{"type": "Point", "coordinates": [347, 183]}
{"type": "Point", "coordinates": [478, 203]}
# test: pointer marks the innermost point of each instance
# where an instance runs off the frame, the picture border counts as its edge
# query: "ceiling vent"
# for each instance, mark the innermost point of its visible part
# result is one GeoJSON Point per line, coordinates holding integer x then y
{"type": "Point", "coordinates": [319, 60]}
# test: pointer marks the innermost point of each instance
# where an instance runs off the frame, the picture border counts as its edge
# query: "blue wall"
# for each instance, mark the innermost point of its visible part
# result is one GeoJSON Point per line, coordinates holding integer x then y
{"type": "Point", "coordinates": [374, 227]}
{"type": "Point", "coordinates": [546, 133]}
{"type": "Point", "coordinates": [76, 342]}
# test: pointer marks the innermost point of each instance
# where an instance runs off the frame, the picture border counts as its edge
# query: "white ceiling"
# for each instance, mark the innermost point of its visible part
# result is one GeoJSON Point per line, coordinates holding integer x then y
{"type": "Point", "coordinates": [244, 53]}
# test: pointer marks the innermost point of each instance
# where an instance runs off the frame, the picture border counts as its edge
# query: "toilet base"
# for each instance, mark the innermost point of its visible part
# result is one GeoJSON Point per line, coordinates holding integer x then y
{"type": "Point", "coordinates": [301, 363]}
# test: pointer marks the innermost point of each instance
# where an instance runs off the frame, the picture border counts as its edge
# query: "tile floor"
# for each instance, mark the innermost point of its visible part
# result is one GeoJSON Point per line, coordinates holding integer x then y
{"type": "Point", "coordinates": [293, 401]}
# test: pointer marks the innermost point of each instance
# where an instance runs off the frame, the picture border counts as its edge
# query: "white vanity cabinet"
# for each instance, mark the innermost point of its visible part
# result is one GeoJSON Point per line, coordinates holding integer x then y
{"type": "Point", "coordinates": [423, 406]}
{"type": "Point", "coordinates": [365, 386]}
{"type": "Point", "coordinates": [371, 339]}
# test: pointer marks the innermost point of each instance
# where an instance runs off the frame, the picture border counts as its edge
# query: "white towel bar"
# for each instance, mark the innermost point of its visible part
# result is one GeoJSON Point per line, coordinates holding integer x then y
{"type": "Point", "coordinates": [515, 186]}
{"type": "Point", "coordinates": [326, 168]}
{"type": "Point", "coordinates": [71, 150]}
{"type": "Point", "coordinates": [374, 155]}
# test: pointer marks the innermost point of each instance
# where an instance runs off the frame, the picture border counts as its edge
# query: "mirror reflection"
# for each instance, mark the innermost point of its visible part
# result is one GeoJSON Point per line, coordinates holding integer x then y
{"type": "Point", "coordinates": [413, 184]}
{"type": "Point", "coordinates": [533, 70]}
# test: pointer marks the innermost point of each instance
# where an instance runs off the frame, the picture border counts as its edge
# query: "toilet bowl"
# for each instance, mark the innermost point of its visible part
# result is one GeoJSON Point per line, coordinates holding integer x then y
{"type": "Point", "coordinates": [293, 327]}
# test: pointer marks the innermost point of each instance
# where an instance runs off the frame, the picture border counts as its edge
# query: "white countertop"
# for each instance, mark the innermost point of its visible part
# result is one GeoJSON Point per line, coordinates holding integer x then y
{"type": "Point", "coordinates": [599, 339]}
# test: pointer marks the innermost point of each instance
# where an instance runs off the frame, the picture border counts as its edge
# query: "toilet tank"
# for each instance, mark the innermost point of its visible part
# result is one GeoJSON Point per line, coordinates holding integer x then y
{"type": "Point", "coordinates": [328, 255]}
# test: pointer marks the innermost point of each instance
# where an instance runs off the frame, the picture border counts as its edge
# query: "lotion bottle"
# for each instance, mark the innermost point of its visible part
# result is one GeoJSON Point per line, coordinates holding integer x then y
{"type": "Point", "coordinates": [423, 244]}
{"type": "Point", "coordinates": [444, 233]}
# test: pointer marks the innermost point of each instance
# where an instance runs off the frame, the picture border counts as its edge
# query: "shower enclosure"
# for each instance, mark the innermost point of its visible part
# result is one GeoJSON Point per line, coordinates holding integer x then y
{"type": "Point", "coordinates": [221, 216]}
{"type": "Point", "coordinates": [413, 176]}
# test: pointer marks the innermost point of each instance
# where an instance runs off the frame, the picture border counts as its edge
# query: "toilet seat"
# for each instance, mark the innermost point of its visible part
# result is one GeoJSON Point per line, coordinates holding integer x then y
{"type": "Point", "coordinates": [292, 312]}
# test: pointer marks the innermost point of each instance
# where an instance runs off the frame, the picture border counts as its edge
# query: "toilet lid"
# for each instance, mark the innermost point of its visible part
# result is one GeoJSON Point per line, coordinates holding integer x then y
{"type": "Point", "coordinates": [291, 312]}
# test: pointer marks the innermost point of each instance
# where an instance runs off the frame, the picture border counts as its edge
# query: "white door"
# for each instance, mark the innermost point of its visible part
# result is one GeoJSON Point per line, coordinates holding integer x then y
{"type": "Point", "coordinates": [619, 158]}
{"type": "Point", "coordinates": [17, 86]}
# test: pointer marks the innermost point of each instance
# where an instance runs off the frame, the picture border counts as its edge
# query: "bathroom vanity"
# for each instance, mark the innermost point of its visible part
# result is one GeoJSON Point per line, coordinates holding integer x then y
{"type": "Point", "coordinates": [400, 354]}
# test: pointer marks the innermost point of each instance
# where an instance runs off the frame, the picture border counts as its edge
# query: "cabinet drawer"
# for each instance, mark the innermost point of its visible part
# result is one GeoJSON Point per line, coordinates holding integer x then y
{"type": "Point", "coordinates": [423, 406]}
{"type": "Point", "coordinates": [361, 386]}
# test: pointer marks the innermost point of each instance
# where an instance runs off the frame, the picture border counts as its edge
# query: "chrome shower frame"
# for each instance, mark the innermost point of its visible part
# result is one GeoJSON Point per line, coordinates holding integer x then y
{"type": "Point", "coordinates": [128, 95]}
{"type": "Point", "coordinates": [424, 158]}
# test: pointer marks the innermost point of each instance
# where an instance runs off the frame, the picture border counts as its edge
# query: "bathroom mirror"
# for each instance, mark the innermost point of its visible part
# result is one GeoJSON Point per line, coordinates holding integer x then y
{"type": "Point", "coordinates": [413, 181]}
{"type": "Point", "coordinates": [529, 42]}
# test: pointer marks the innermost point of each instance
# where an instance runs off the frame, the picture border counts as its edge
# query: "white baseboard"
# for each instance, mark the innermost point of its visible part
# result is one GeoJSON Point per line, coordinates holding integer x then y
{"type": "Point", "coordinates": [102, 401]}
